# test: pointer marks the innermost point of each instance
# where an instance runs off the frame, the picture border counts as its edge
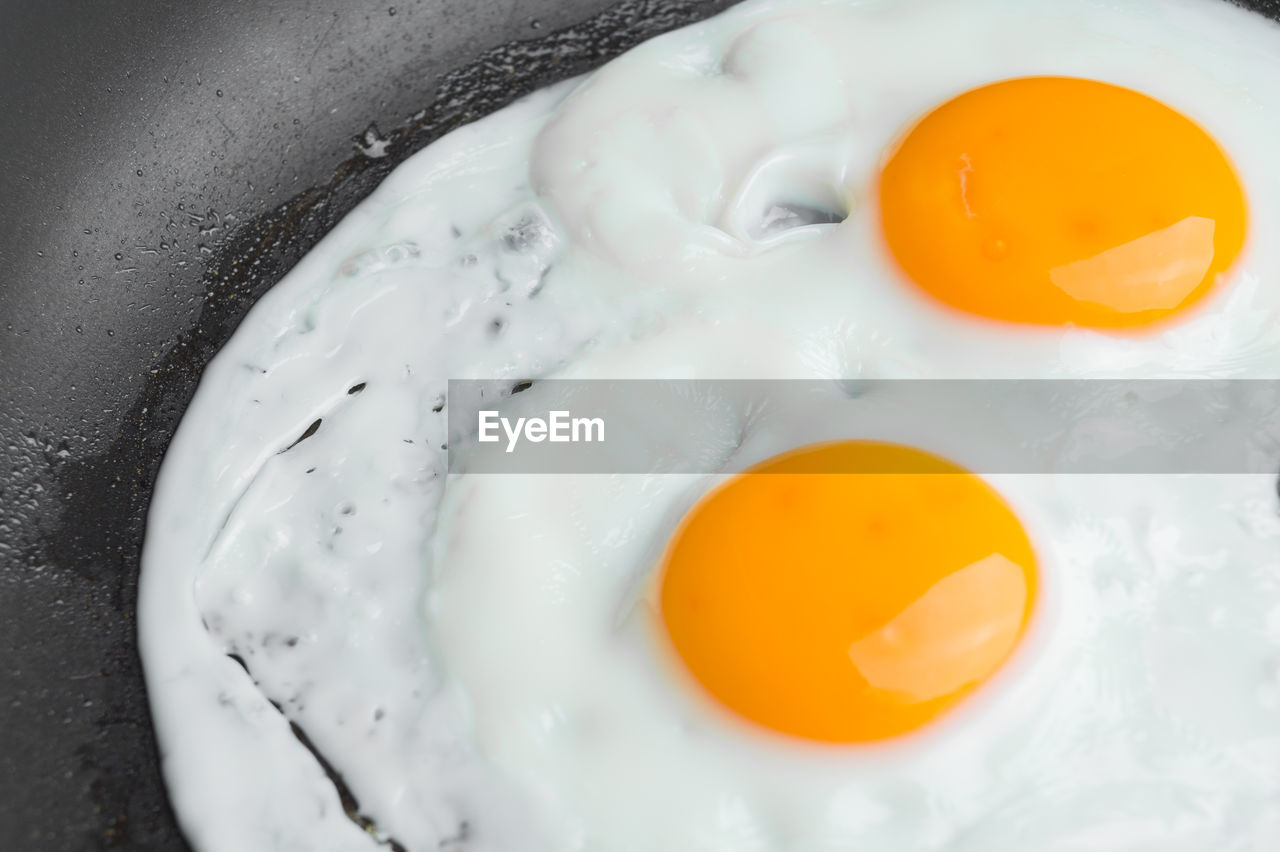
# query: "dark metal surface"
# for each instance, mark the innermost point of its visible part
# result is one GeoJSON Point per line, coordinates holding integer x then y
{"type": "Point", "coordinates": [162, 164]}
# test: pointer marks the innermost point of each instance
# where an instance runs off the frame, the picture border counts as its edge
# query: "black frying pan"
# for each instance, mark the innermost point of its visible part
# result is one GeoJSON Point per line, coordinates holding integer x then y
{"type": "Point", "coordinates": [163, 163]}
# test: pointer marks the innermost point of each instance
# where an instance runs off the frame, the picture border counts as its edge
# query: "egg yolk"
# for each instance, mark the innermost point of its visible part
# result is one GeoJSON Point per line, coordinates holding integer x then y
{"type": "Point", "coordinates": [1056, 200]}
{"type": "Point", "coordinates": [847, 592]}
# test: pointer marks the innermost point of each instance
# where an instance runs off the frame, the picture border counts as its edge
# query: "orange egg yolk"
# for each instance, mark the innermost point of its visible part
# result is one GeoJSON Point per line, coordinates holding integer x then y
{"type": "Point", "coordinates": [1056, 200]}
{"type": "Point", "coordinates": [847, 592]}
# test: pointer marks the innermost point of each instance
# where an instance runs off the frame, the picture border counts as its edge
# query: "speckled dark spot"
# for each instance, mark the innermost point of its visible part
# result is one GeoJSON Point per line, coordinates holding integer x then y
{"type": "Point", "coordinates": [310, 430]}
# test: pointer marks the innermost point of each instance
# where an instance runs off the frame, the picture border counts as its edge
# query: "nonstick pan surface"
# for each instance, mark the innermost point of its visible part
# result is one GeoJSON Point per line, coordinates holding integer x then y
{"type": "Point", "coordinates": [161, 165]}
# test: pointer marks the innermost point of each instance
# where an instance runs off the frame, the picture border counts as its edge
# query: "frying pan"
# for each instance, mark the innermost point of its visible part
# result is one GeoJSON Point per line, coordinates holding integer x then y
{"type": "Point", "coordinates": [162, 164]}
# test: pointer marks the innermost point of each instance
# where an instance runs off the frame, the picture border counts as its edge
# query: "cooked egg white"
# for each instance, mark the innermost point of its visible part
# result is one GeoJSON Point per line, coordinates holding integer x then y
{"type": "Point", "coordinates": [481, 658]}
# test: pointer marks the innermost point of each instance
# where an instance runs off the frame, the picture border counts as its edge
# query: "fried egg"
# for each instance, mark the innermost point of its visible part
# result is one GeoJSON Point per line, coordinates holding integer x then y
{"type": "Point", "coordinates": [823, 636]}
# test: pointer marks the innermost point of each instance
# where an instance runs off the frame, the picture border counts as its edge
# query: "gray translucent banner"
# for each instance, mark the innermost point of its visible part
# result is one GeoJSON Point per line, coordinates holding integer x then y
{"type": "Point", "coordinates": [991, 426]}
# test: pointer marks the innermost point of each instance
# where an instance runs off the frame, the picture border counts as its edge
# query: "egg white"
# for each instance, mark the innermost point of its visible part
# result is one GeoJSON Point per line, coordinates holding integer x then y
{"type": "Point", "coordinates": [477, 656]}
